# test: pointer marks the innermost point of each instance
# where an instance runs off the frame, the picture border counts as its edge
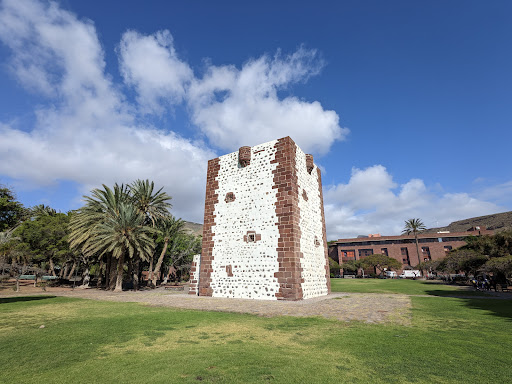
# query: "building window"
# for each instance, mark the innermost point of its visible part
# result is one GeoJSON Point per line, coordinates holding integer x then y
{"type": "Point", "coordinates": [426, 253]}
{"type": "Point", "coordinates": [348, 255]}
{"type": "Point", "coordinates": [384, 251]}
{"type": "Point", "coordinates": [405, 256]}
{"type": "Point", "coordinates": [365, 252]}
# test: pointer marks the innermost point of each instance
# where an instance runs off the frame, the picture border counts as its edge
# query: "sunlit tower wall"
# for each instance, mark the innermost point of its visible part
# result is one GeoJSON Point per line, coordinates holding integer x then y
{"type": "Point", "coordinates": [264, 226]}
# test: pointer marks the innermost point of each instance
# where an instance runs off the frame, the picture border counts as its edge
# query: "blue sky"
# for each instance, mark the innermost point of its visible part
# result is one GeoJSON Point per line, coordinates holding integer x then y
{"type": "Point", "coordinates": [405, 105]}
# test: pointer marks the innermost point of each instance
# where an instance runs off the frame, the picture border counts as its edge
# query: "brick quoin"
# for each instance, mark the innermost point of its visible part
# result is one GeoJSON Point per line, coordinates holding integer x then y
{"type": "Point", "coordinates": [211, 199]}
{"type": "Point", "coordinates": [289, 275]}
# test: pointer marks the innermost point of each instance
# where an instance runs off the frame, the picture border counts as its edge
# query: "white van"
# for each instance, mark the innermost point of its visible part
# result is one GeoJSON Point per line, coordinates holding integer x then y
{"type": "Point", "coordinates": [410, 274]}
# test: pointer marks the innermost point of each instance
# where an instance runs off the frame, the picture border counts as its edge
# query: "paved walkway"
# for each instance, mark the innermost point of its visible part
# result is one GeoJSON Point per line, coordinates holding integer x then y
{"type": "Point", "coordinates": [370, 308]}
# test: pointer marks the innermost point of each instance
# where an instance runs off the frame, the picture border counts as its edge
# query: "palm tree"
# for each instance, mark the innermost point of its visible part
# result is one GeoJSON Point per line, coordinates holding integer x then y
{"type": "Point", "coordinates": [123, 236]}
{"type": "Point", "coordinates": [168, 228]}
{"type": "Point", "coordinates": [414, 226]}
{"type": "Point", "coordinates": [153, 205]}
{"type": "Point", "coordinates": [102, 205]}
{"type": "Point", "coordinates": [42, 210]}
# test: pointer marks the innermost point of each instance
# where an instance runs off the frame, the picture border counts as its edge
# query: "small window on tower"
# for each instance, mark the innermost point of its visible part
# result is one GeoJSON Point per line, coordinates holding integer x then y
{"type": "Point", "coordinates": [230, 196]}
{"type": "Point", "coordinates": [251, 238]}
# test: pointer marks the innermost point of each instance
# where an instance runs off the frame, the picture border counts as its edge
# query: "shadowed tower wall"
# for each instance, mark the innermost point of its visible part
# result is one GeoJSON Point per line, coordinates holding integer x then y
{"type": "Point", "coordinates": [264, 228]}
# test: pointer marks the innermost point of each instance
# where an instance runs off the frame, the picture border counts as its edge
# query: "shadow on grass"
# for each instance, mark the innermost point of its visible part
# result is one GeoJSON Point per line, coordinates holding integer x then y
{"type": "Point", "coordinates": [457, 293]}
{"type": "Point", "coordinates": [7, 300]}
{"type": "Point", "coordinates": [497, 306]}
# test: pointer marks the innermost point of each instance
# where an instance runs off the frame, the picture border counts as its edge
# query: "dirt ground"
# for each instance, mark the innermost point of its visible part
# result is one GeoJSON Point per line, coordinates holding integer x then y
{"type": "Point", "coordinates": [366, 307]}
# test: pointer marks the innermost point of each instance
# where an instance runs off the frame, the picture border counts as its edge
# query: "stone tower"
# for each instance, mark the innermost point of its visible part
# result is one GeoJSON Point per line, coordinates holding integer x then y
{"type": "Point", "coordinates": [264, 227]}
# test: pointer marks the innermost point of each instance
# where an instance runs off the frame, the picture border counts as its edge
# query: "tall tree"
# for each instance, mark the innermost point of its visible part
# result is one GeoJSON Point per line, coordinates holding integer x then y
{"type": "Point", "coordinates": [182, 249]}
{"type": "Point", "coordinates": [168, 228]}
{"type": "Point", "coordinates": [44, 240]}
{"type": "Point", "coordinates": [123, 236]}
{"type": "Point", "coordinates": [102, 205]}
{"type": "Point", "coordinates": [12, 211]}
{"type": "Point", "coordinates": [464, 260]}
{"type": "Point", "coordinates": [42, 210]}
{"type": "Point", "coordinates": [152, 204]}
{"type": "Point", "coordinates": [7, 243]}
{"type": "Point", "coordinates": [379, 261]}
{"type": "Point", "coordinates": [414, 226]}
{"type": "Point", "coordinates": [116, 225]}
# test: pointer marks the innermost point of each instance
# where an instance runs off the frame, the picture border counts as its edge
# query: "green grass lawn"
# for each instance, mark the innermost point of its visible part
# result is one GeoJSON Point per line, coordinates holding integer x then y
{"type": "Point", "coordinates": [451, 340]}
{"type": "Point", "coordinates": [404, 286]}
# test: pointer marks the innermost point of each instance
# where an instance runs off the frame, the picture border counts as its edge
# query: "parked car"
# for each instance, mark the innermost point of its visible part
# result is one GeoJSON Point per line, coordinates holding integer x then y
{"type": "Point", "coordinates": [391, 275]}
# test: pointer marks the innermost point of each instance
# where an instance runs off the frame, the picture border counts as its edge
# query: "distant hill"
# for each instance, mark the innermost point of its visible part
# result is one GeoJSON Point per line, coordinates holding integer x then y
{"type": "Point", "coordinates": [194, 228]}
{"type": "Point", "coordinates": [497, 222]}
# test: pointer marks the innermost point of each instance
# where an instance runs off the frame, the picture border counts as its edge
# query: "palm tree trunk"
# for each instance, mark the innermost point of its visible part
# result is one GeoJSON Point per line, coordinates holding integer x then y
{"type": "Point", "coordinates": [112, 274]}
{"type": "Point", "coordinates": [135, 276]}
{"type": "Point", "coordinates": [417, 249]}
{"type": "Point", "coordinates": [150, 272]}
{"type": "Point", "coordinates": [120, 270]}
{"type": "Point", "coordinates": [107, 271]}
{"type": "Point", "coordinates": [100, 274]}
{"type": "Point", "coordinates": [86, 277]}
{"type": "Point", "coordinates": [70, 274]}
{"type": "Point", "coordinates": [156, 273]}
{"type": "Point", "coordinates": [63, 271]}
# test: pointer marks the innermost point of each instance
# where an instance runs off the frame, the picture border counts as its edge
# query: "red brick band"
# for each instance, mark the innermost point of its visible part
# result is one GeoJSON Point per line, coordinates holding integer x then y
{"type": "Point", "coordinates": [289, 275]}
{"type": "Point", "coordinates": [212, 198]}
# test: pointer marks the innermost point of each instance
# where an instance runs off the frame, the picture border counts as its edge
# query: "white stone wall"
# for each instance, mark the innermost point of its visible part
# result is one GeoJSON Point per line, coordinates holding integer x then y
{"type": "Point", "coordinates": [252, 264]}
{"type": "Point", "coordinates": [313, 260]}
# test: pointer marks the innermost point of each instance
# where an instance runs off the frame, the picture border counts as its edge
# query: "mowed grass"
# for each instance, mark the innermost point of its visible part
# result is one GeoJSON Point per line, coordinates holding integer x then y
{"type": "Point", "coordinates": [403, 286]}
{"type": "Point", "coordinates": [451, 340]}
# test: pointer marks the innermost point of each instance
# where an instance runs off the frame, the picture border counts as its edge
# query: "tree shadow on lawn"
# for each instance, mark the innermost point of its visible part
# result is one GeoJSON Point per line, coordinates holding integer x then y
{"type": "Point", "coordinates": [497, 306]}
{"type": "Point", "coordinates": [7, 300]}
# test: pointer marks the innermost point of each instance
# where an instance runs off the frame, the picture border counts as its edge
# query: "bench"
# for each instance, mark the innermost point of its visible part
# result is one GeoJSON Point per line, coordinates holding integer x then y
{"type": "Point", "coordinates": [49, 277]}
{"type": "Point", "coordinates": [175, 287]}
{"type": "Point", "coordinates": [502, 287]}
{"type": "Point", "coordinates": [26, 277]}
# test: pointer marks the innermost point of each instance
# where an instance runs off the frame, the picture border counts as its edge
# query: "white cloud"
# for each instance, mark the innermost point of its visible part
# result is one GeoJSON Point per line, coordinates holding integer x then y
{"type": "Point", "coordinates": [501, 192]}
{"type": "Point", "coordinates": [151, 65]}
{"type": "Point", "coordinates": [236, 107]}
{"type": "Point", "coordinates": [231, 106]}
{"type": "Point", "coordinates": [87, 133]}
{"type": "Point", "coordinates": [371, 202]}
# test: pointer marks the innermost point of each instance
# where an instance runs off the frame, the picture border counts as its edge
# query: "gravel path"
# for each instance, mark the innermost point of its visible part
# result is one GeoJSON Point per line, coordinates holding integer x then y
{"type": "Point", "coordinates": [367, 307]}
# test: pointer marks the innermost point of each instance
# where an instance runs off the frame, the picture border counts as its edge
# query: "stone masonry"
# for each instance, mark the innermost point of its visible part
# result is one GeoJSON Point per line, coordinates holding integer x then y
{"type": "Point", "coordinates": [264, 227]}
